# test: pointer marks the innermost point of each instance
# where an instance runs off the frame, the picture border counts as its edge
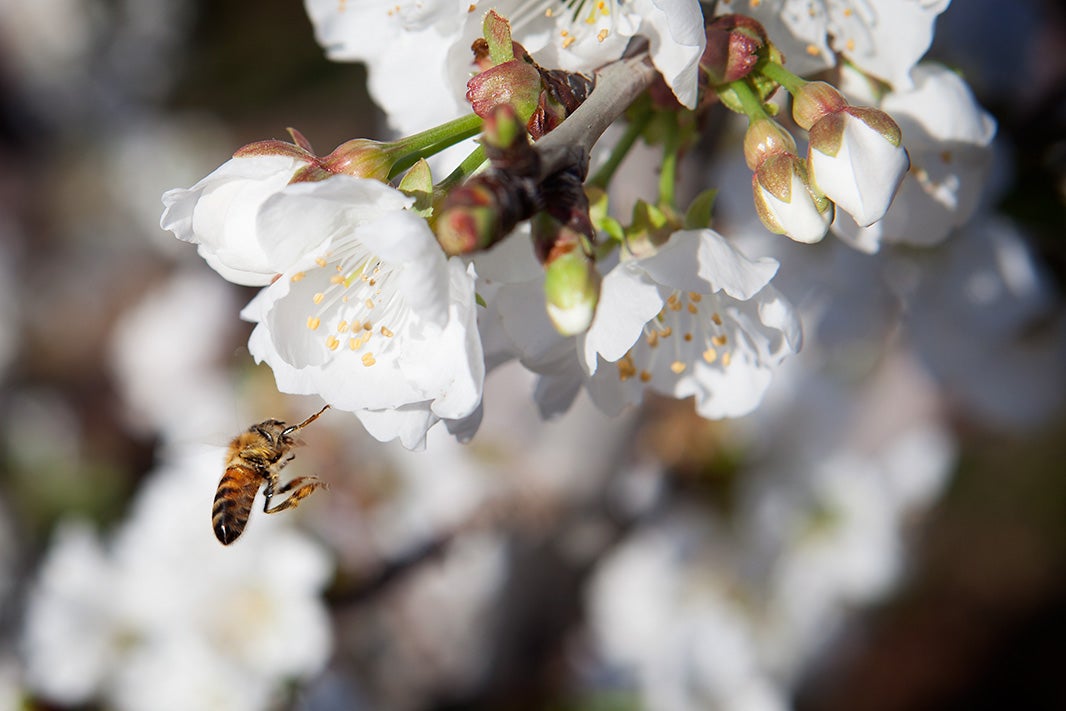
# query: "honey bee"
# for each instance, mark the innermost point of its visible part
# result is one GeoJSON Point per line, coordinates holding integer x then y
{"type": "Point", "coordinates": [256, 457]}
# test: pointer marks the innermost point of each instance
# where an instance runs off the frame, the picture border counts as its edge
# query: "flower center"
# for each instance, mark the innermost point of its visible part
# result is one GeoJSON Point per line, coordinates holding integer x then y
{"type": "Point", "coordinates": [357, 308]}
{"type": "Point", "coordinates": [573, 20]}
{"type": "Point", "coordinates": [687, 329]}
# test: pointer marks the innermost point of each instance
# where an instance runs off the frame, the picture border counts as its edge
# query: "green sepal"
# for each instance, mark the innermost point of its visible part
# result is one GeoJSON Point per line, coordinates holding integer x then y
{"type": "Point", "coordinates": [418, 183]}
{"type": "Point", "coordinates": [497, 33]}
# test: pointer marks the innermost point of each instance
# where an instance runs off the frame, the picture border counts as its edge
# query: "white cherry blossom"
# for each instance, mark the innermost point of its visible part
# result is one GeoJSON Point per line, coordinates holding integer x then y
{"type": "Point", "coordinates": [418, 53]}
{"type": "Point", "coordinates": [885, 38]}
{"type": "Point", "coordinates": [697, 318]}
{"type": "Point", "coordinates": [375, 319]}
{"type": "Point", "coordinates": [404, 45]}
{"type": "Point", "coordinates": [362, 308]}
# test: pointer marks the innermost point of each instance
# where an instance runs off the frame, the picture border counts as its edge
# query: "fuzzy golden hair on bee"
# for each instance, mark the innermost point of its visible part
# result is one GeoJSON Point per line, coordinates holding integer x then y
{"type": "Point", "coordinates": [255, 459]}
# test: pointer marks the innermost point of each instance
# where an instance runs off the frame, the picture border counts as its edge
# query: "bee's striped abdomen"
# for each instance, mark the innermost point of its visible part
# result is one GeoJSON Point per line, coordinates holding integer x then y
{"type": "Point", "coordinates": [233, 502]}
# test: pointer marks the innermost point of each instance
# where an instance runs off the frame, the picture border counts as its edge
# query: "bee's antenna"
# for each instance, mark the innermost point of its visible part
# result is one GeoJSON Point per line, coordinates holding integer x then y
{"type": "Point", "coordinates": [305, 423]}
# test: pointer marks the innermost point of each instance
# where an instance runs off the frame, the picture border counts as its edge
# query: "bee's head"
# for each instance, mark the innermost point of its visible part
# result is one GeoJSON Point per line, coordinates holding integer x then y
{"type": "Point", "coordinates": [273, 430]}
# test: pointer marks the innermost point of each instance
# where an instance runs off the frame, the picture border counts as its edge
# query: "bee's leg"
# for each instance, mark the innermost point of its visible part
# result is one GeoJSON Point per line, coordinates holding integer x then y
{"type": "Point", "coordinates": [301, 487]}
{"type": "Point", "coordinates": [269, 490]}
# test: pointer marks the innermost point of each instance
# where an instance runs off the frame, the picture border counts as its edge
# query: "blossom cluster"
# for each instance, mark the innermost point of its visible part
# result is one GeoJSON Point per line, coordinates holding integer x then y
{"type": "Point", "coordinates": [363, 308]}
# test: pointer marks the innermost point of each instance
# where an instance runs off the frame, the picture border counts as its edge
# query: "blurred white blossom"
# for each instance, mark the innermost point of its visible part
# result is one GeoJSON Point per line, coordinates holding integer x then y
{"type": "Point", "coordinates": [1002, 358]}
{"type": "Point", "coordinates": [162, 606]}
{"type": "Point", "coordinates": [704, 610]}
{"type": "Point", "coordinates": [167, 356]}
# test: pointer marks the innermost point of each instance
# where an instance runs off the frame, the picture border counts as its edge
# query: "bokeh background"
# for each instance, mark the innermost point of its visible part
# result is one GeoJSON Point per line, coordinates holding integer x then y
{"type": "Point", "coordinates": [888, 533]}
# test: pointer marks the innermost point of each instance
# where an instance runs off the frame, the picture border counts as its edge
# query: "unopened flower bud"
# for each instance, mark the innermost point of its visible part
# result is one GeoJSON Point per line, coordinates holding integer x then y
{"type": "Point", "coordinates": [506, 143]}
{"type": "Point", "coordinates": [815, 100]}
{"type": "Point", "coordinates": [857, 159]}
{"type": "Point", "coordinates": [786, 201]}
{"type": "Point", "coordinates": [571, 289]}
{"type": "Point", "coordinates": [766, 137]}
{"type": "Point", "coordinates": [361, 158]}
{"type": "Point", "coordinates": [733, 46]}
{"type": "Point", "coordinates": [483, 210]}
{"type": "Point", "coordinates": [515, 82]}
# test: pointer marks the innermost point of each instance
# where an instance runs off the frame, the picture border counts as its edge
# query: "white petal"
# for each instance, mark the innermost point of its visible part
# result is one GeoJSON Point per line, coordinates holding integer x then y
{"type": "Point", "coordinates": [730, 393]}
{"type": "Point", "coordinates": [219, 214]}
{"type": "Point", "coordinates": [408, 423]}
{"type": "Point", "coordinates": [554, 394]}
{"type": "Point", "coordinates": [676, 32]}
{"type": "Point", "coordinates": [628, 300]}
{"type": "Point", "coordinates": [405, 45]}
{"type": "Point", "coordinates": [704, 261]}
{"type": "Point", "coordinates": [940, 107]}
{"type": "Point", "coordinates": [524, 318]}
{"type": "Point", "coordinates": [450, 367]}
{"type": "Point", "coordinates": [727, 269]}
{"type": "Point", "coordinates": [294, 222]}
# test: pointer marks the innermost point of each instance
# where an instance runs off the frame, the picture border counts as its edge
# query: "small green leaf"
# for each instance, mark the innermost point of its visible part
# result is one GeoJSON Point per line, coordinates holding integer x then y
{"type": "Point", "coordinates": [698, 215]}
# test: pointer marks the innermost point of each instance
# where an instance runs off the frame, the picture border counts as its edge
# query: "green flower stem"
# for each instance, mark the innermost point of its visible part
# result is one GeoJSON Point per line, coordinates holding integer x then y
{"type": "Point", "coordinates": [668, 172]}
{"type": "Point", "coordinates": [440, 137]}
{"type": "Point", "coordinates": [776, 72]}
{"type": "Point", "coordinates": [749, 100]}
{"type": "Point", "coordinates": [411, 149]}
{"type": "Point", "coordinates": [463, 171]}
{"type": "Point", "coordinates": [633, 129]}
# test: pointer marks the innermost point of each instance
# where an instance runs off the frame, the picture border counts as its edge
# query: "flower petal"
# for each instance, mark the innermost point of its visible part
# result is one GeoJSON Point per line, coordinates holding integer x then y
{"type": "Point", "coordinates": [219, 215]}
{"type": "Point", "coordinates": [628, 300]}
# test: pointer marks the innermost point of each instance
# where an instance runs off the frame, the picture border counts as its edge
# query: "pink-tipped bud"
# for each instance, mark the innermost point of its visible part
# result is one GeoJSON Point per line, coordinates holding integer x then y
{"type": "Point", "coordinates": [766, 137]}
{"type": "Point", "coordinates": [482, 211]}
{"type": "Point", "coordinates": [516, 83]}
{"type": "Point", "coordinates": [362, 158]}
{"type": "Point", "coordinates": [815, 100]}
{"type": "Point", "coordinates": [734, 43]}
